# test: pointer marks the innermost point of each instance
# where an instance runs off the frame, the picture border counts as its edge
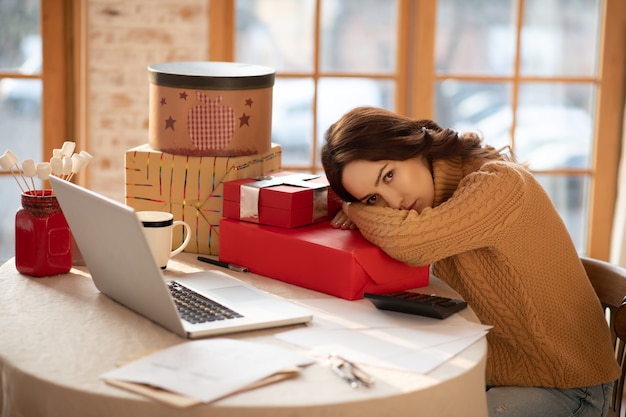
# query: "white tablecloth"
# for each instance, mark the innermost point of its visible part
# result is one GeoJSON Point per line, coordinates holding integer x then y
{"type": "Point", "coordinates": [59, 334]}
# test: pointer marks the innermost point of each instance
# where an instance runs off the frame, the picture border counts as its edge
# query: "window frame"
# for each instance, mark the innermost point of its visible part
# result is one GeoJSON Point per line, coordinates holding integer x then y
{"type": "Point", "coordinates": [57, 20]}
{"type": "Point", "coordinates": [59, 113]}
{"type": "Point", "coordinates": [415, 95]}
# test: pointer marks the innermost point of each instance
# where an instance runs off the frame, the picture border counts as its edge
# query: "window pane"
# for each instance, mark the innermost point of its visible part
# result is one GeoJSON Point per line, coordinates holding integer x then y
{"type": "Point", "coordinates": [358, 36]}
{"type": "Point", "coordinates": [20, 105]}
{"type": "Point", "coordinates": [276, 33]}
{"type": "Point", "coordinates": [10, 197]}
{"type": "Point", "coordinates": [477, 107]}
{"type": "Point", "coordinates": [337, 96]}
{"type": "Point", "coordinates": [560, 39]}
{"type": "Point", "coordinates": [292, 115]}
{"type": "Point", "coordinates": [20, 98]}
{"type": "Point", "coordinates": [475, 37]}
{"type": "Point", "coordinates": [569, 195]}
{"type": "Point", "coordinates": [554, 125]}
{"type": "Point", "coordinates": [19, 33]}
{"type": "Point", "coordinates": [292, 119]}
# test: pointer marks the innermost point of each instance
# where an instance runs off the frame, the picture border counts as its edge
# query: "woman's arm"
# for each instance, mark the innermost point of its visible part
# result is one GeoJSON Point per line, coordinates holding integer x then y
{"type": "Point", "coordinates": [485, 203]}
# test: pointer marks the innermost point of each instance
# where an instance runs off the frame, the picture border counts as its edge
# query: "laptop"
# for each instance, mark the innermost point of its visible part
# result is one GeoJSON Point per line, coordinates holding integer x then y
{"type": "Point", "coordinates": [111, 240]}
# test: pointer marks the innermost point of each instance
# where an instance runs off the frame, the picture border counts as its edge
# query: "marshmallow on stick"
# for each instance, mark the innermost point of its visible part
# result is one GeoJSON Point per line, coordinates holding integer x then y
{"type": "Point", "coordinates": [29, 168]}
{"type": "Point", "coordinates": [67, 166]}
{"type": "Point", "coordinates": [78, 162]}
{"type": "Point", "coordinates": [68, 148]}
{"type": "Point", "coordinates": [6, 163]}
{"type": "Point", "coordinates": [64, 164]}
{"type": "Point", "coordinates": [8, 160]}
{"type": "Point", "coordinates": [86, 156]}
{"type": "Point", "coordinates": [43, 170]}
{"type": "Point", "coordinates": [56, 166]}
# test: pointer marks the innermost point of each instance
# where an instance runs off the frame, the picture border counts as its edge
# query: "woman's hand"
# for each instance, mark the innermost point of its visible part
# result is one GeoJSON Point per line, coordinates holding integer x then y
{"type": "Point", "coordinates": [342, 221]}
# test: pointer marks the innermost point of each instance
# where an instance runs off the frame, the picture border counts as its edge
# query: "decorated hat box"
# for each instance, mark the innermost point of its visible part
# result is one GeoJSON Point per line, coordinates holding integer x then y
{"type": "Point", "coordinates": [210, 108]}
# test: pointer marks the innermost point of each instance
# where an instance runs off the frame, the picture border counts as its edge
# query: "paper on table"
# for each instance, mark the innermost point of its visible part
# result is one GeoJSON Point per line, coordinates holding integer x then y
{"type": "Point", "coordinates": [209, 369]}
{"type": "Point", "coordinates": [339, 314]}
{"type": "Point", "coordinates": [360, 332]}
{"type": "Point", "coordinates": [413, 350]}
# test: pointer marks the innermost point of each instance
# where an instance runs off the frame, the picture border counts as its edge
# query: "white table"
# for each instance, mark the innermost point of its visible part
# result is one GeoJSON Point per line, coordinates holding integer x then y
{"type": "Point", "coordinates": [58, 334]}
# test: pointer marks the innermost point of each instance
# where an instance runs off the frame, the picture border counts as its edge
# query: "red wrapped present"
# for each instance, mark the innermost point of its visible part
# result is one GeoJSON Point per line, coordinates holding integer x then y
{"type": "Point", "coordinates": [285, 199]}
{"type": "Point", "coordinates": [318, 257]}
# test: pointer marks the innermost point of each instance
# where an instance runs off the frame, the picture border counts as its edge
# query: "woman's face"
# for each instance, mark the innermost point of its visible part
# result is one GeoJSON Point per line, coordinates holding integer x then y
{"type": "Point", "coordinates": [403, 185]}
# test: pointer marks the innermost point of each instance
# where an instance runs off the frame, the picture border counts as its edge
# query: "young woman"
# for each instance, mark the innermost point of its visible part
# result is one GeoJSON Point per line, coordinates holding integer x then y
{"type": "Point", "coordinates": [428, 195]}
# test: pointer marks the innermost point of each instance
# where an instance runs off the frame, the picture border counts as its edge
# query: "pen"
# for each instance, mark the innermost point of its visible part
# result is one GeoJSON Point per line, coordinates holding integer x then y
{"type": "Point", "coordinates": [349, 372]}
{"type": "Point", "coordinates": [223, 264]}
{"type": "Point", "coordinates": [350, 379]}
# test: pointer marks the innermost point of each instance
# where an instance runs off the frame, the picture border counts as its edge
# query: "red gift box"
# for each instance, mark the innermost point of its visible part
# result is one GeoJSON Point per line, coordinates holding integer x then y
{"type": "Point", "coordinates": [318, 257]}
{"type": "Point", "coordinates": [285, 199]}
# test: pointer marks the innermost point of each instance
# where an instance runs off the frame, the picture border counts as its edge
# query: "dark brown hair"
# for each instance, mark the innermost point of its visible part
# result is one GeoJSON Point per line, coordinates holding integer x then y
{"type": "Point", "coordinates": [374, 134]}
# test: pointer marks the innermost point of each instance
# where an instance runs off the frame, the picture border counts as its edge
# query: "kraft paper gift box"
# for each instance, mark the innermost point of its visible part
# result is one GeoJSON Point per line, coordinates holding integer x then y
{"type": "Point", "coordinates": [190, 187]}
{"type": "Point", "coordinates": [284, 199]}
{"type": "Point", "coordinates": [210, 108]}
{"type": "Point", "coordinates": [318, 257]}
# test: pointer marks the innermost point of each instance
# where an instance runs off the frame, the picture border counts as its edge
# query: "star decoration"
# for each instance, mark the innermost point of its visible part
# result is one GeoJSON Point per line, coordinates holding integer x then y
{"type": "Point", "coordinates": [249, 102]}
{"type": "Point", "coordinates": [169, 123]}
{"type": "Point", "coordinates": [163, 103]}
{"type": "Point", "coordinates": [183, 95]}
{"type": "Point", "coordinates": [244, 120]}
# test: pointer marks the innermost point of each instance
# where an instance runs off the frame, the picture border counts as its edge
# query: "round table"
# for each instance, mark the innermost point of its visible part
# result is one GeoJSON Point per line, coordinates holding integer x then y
{"type": "Point", "coordinates": [59, 334]}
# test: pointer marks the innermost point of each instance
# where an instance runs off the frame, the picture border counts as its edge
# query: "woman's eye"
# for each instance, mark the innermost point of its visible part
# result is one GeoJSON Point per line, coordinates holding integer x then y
{"type": "Point", "coordinates": [372, 199]}
{"type": "Point", "coordinates": [388, 176]}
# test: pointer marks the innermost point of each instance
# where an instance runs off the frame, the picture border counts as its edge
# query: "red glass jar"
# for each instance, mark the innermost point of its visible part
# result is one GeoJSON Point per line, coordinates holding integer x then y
{"type": "Point", "coordinates": [42, 236]}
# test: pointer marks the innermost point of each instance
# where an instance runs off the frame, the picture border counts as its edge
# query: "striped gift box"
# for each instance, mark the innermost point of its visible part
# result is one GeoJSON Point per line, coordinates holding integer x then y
{"type": "Point", "coordinates": [190, 187]}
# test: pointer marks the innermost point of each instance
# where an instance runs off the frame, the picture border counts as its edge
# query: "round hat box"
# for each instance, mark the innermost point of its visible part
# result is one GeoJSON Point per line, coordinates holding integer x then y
{"type": "Point", "coordinates": [210, 108]}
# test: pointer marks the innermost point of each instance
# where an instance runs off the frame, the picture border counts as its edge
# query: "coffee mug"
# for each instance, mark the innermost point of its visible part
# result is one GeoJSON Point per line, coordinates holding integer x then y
{"type": "Point", "coordinates": [158, 227]}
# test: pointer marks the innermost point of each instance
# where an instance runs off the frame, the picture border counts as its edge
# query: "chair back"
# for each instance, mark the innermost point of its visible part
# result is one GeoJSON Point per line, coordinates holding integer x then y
{"type": "Point", "coordinates": [609, 282]}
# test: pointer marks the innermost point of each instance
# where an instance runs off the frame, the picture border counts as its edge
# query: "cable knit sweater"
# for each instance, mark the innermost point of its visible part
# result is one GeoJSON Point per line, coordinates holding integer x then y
{"type": "Point", "coordinates": [494, 236]}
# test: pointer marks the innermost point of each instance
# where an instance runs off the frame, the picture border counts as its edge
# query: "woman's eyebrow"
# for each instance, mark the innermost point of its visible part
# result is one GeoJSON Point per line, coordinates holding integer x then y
{"type": "Point", "coordinates": [380, 175]}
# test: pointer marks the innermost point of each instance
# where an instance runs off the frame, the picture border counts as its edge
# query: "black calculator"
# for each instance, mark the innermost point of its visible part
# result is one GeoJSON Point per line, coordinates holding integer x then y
{"type": "Point", "coordinates": [417, 303]}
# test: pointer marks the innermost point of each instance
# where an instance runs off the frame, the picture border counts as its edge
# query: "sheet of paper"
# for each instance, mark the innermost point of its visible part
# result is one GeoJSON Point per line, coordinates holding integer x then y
{"type": "Point", "coordinates": [340, 314]}
{"type": "Point", "coordinates": [209, 369]}
{"type": "Point", "coordinates": [413, 350]}
{"type": "Point", "coordinates": [364, 334]}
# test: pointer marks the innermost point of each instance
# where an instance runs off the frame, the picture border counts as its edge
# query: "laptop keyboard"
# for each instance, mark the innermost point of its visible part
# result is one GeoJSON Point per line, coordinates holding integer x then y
{"type": "Point", "coordinates": [196, 308]}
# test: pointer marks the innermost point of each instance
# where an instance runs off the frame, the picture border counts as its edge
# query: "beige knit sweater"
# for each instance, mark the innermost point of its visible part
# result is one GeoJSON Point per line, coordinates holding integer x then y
{"type": "Point", "coordinates": [495, 237]}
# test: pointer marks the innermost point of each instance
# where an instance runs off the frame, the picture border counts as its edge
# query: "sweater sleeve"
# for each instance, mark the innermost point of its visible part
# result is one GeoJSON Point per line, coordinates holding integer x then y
{"type": "Point", "coordinates": [484, 204]}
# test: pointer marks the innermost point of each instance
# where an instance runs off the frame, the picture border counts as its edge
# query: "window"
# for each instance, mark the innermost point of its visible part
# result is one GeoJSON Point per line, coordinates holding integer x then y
{"type": "Point", "coordinates": [34, 93]}
{"type": "Point", "coordinates": [322, 68]}
{"type": "Point", "coordinates": [532, 85]}
{"type": "Point", "coordinates": [525, 73]}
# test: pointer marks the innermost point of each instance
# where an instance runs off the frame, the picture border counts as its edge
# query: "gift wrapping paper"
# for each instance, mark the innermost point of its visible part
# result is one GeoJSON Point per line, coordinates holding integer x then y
{"type": "Point", "coordinates": [319, 257]}
{"type": "Point", "coordinates": [190, 187]}
{"type": "Point", "coordinates": [285, 199]}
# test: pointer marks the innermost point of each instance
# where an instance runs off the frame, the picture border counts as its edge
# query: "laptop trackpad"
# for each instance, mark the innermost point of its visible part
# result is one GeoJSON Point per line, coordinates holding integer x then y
{"type": "Point", "coordinates": [238, 293]}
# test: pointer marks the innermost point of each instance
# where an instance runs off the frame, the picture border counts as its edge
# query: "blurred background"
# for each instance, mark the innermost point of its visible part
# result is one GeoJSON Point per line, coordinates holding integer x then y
{"type": "Point", "coordinates": [526, 74]}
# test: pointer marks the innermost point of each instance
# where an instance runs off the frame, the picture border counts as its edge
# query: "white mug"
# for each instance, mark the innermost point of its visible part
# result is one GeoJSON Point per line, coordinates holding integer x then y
{"type": "Point", "coordinates": [158, 227]}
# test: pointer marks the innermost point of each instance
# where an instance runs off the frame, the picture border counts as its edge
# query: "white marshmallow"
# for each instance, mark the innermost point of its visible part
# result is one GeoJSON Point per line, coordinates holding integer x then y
{"type": "Point", "coordinates": [56, 166]}
{"type": "Point", "coordinates": [43, 170]}
{"type": "Point", "coordinates": [67, 165]}
{"type": "Point", "coordinates": [29, 168]}
{"type": "Point", "coordinates": [68, 148]}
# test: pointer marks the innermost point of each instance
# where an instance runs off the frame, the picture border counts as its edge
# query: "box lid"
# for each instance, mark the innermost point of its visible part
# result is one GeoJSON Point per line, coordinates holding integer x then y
{"type": "Point", "coordinates": [211, 75]}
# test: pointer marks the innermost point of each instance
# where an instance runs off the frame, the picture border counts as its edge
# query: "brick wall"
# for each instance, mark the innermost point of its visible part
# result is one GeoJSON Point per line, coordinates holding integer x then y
{"type": "Point", "coordinates": [125, 37]}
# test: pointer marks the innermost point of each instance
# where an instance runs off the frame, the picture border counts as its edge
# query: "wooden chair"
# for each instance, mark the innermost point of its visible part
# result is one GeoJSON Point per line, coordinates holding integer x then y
{"type": "Point", "coordinates": [609, 282]}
